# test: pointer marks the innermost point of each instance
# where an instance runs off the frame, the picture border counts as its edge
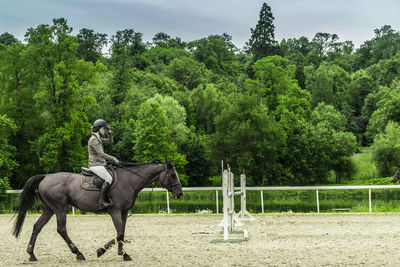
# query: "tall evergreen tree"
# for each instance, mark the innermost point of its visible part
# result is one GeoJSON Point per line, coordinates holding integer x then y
{"type": "Point", "coordinates": [262, 41]}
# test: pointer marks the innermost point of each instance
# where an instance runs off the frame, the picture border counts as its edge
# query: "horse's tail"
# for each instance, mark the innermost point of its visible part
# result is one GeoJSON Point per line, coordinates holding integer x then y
{"type": "Point", "coordinates": [26, 201]}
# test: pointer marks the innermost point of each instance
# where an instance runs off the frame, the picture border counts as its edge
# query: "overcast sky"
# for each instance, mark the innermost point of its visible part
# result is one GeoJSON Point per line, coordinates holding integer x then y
{"type": "Point", "coordinates": [353, 20]}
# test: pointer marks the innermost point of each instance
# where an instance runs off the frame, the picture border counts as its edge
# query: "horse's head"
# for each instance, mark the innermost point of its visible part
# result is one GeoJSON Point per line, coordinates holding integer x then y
{"type": "Point", "coordinates": [169, 179]}
{"type": "Point", "coordinates": [396, 176]}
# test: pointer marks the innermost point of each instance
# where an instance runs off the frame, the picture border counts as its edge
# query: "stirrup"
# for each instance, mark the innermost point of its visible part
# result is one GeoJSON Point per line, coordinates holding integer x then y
{"type": "Point", "coordinates": [103, 205]}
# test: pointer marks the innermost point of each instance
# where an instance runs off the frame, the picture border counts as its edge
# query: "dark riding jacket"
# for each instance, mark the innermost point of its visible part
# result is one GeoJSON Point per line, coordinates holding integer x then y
{"type": "Point", "coordinates": [97, 157]}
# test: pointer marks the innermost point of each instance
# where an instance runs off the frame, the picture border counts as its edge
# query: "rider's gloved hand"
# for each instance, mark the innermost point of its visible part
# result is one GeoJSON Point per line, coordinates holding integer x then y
{"type": "Point", "coordinates": [116, 161]}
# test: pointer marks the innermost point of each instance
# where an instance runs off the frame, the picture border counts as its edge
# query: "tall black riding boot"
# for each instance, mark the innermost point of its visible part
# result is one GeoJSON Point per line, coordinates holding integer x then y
{"type": "Point", "coordinates": [104, 196]}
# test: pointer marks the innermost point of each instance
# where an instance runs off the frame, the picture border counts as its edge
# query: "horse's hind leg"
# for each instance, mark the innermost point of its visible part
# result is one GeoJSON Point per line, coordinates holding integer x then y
{"type": "Point", "coordinates": [42, 221]}
{"type": "Point", "coordinates": [62, 230]}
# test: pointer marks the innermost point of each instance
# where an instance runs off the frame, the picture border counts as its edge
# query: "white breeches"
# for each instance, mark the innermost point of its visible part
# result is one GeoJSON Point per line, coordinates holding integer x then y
{"type": "Point", "coordinates": [102, 172]}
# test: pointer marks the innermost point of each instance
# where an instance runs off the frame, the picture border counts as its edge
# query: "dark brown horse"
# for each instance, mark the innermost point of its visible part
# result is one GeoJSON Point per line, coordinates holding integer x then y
{"type": "Point", "coordinates": [58, 190]}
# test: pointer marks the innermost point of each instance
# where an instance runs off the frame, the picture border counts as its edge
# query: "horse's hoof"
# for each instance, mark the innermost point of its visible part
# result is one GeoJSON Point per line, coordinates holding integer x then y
{"type": "Point", "coordinates": [100, 252]}
{"type": "Point", "coordinates": [32, 257]}
{"type": "Point", "coordinates": [80, 257]}
{"type": "Point", "coordinates": [127, 257]}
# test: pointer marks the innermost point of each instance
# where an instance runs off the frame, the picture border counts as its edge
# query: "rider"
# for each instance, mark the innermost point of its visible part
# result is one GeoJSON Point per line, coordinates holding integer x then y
{"type": "Point", "coordinates": [97, 159]}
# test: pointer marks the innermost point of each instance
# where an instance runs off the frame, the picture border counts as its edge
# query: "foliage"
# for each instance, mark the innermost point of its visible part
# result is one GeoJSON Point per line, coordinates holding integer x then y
{"type": "Point", "coordinates": [262, 41]}
{"type": "Point", "coordinates": [288, 120]}
{"type": "Point", "coordinates": [329, 116]}
{"type": "Point", "coordinates": [188, 72]}
{"type": "Point", "coordinates": [381, 181]}
{"type": "Point", "coordinates": [217, 53]}
{"type": "Point", "coordinates": [176, 115]}
{"type": "Point", "coordinates": [7, 150]}
{"type": "Point", "coordinates": [153, 138]}
{"type": "Point", "coordinates": [274, 83]}
{"type": "Point", "coordinates": [7, 39]}
{"type": "Point", "coordinates": [328, 83]}
{"type": "Point", "coordinates": [386, 150]}
{"type": "Point", "coordinates": [387, 109]}
{"type": "Point", "coordinates": [246, 136]}
{"type": "Point", "coordinates": [90, 44]}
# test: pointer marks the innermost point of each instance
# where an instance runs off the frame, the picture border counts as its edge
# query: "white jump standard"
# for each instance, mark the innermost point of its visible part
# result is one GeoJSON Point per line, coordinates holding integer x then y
{"type": "Point", "coordinates": [230, 218]}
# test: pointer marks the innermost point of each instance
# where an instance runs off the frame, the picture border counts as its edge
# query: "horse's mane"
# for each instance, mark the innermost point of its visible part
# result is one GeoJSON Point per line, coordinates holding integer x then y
{"type": "Point", "coordinates": [134, 164]}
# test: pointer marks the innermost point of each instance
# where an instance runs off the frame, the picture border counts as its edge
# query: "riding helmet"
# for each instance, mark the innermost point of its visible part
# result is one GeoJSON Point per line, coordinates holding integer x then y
{"type": "Point", "coordinates": [100, 123]}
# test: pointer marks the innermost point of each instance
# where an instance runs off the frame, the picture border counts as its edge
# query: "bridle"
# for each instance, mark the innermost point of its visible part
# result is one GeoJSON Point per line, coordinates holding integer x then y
{"type": "Point", "coordinates": [165, 176]}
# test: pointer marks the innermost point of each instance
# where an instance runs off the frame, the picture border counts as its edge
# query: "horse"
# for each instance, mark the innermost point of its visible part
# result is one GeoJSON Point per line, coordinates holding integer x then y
{"type": "Point", "coordinates": [58, 190]}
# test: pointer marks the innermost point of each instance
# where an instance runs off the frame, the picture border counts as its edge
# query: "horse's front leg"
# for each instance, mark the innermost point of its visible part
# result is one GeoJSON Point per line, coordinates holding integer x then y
{"type": "Point", "coordinates": [119, 221]}
{"type": "Point", "coordinates": [121, 250]}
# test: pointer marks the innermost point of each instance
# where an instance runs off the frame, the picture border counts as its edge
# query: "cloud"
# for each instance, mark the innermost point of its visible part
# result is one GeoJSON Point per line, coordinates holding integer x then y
{"type": "Point", "coordinates": [352, 20]}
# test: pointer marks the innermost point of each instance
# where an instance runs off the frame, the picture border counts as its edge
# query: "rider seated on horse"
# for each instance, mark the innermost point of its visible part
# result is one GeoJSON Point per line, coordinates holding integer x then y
{"type": "Point", "coordinates": [97, 159]}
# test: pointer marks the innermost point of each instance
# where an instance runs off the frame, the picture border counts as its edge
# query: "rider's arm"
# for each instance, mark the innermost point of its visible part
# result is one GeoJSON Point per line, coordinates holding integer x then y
{"type": "Point", "coordinates": [95, 144]}
{"type": "Point", "coordinates": [108, 140]}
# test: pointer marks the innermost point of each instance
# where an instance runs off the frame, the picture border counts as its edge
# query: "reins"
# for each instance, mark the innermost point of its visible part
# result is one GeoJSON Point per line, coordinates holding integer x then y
{"type": "Point", "coordinates": [125, 168]}
{"type": "Point", "coordinates": [143, 178]}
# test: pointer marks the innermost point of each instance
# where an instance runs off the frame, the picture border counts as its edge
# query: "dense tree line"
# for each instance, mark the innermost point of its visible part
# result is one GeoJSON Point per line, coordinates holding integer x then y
{"type": "Point", "coordinates": [290, 112]}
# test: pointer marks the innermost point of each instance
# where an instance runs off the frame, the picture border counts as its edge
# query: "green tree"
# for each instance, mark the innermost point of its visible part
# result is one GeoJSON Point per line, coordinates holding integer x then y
{"type": "Point", "coordinates": [383, 46]}
{"type": "Point", "coordinates": [294, 46]}
{"type": "Point", "coordinates": [90, 44]}
{"type": "Point", "coordinates": [386, 150]}
{"type": "Point", "coordinates": [248, 136]}
{"type": "Point", "coordinates": [262, 41]}
{"type": "Point", "coordinates": [143, 86]}
{"type": "Point", "coordinates": [207, 103]}
{"type": "Point", "coordinates": [7, 152]}
{"type": "Point", "coordinates": [198, 168]}
{"type": "Point", "coordinates": [314, 149]}
{"type": "Point", "coordinates": [329, 116]}
{"type": "Point", "coordinates": [360, 86]}
{"type": "Point", "coordinates": [217, 53]}
{"type": "Point", "coordinates": [127, 48]}
{"type": "Point", "coordinates": [176, 115]}
{"type": "Point", "coordinates": [329, 84]}
{"type": "Point", "coordinates": [188, 72]}
{"type": "Point", "coordinates": [276, 87]}
{"type": "Point", "coordinates": [7, 39]}
{"type": "Point", "coordinates": [152, 136]}
{"type": "Point", "coordinates": [19, 80]}
{"type": "Point", "coordinates": [61, 145]}
{"type": "Point", "coordinates": [162, 39]}
{"type": "Point", "coordinates": [387, 109]}
{"type": "Point", "coordinates": [160, 57]}
{"type": "Point", "coordinates": [389, 71]}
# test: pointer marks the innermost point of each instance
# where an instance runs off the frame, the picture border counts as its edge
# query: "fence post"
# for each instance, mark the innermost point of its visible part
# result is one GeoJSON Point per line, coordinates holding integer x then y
{"type": "Point", "coordinates": [168, 211]}
{"type": "Point", "coordinates": [262, 202]}
{"type": "Point", "coordinates": [369, 200]}
{"type": "Point", "coordinates": [317, 201]}
{"type": "Point", "coordinates": [216, 197]}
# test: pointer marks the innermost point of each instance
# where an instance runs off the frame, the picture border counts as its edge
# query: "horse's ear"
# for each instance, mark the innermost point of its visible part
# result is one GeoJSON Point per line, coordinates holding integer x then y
{"type": "Point", "coordinates": [169, 163]}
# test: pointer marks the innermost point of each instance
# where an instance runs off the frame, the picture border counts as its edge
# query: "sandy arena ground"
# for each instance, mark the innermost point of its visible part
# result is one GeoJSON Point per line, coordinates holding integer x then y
{"type": "Point", "coordinates": [185, 240]}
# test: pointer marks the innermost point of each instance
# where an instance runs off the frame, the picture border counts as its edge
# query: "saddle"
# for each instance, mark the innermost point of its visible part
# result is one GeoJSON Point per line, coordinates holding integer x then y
{"type": "Point", "coordinates": [90, 181]}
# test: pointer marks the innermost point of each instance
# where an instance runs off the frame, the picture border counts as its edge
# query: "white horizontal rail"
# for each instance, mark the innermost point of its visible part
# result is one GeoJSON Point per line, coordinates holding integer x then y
{"type": "Point", "coordinates": [268, 188]}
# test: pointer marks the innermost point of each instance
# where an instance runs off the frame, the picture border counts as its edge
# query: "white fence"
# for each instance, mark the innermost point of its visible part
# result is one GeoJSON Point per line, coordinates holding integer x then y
{"type": "Point", "coordinates": [273, 188]}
